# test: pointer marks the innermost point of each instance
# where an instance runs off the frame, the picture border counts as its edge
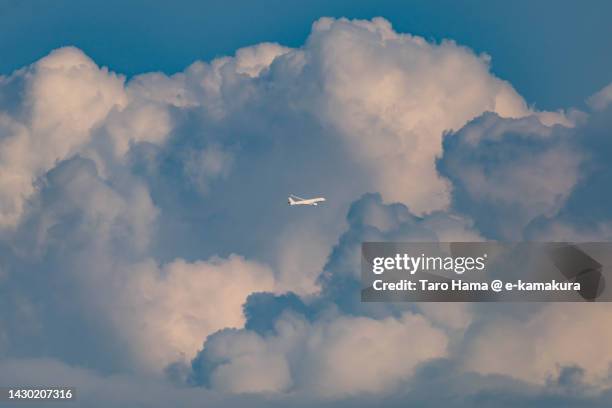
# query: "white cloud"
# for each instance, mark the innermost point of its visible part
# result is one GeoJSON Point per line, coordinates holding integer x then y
{"type": "Point", "coordinates": [358, 108]}
{"type": "Point", "coordinates": [356, 354]}
{"type": "Point", "coordinates": [207, 165]}
{"type": "Point", "coordinates": [158, 314]}
{"type": "Point", "coordinates": [534, 350]}
{"type": "Point", "coordinates": [602, 98]}
{"type": "Point", "coordinates": [506, 172]}
{"type": "Point", "coordinates": [391, 96]}
{"type": "Point", "coordinates": [241, 358]}
{"type": "Point", "coordinates": [70, 94]}
{"type": "Point", "coordinates": [455, 316]}
{"type": "Point", "coordinates": [332, 357]}
{"type": "Point", "coordinates": [168, 311]}
{"type": "Point", "coordinates": [66, 95]}
{"type": "Point", "coordinates": [139, 121]}
{"type": "Point", "coordinates": [252, 60]}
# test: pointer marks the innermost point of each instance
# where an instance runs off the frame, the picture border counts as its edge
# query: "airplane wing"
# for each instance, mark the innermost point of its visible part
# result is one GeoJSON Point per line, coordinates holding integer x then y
{"type": "Point", "coordinates": [296, 197]}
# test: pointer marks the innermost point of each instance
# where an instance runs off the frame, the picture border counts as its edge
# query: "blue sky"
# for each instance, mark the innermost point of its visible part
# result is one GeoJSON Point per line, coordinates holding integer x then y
{"type": "Point", "coordinates": [556, 53]}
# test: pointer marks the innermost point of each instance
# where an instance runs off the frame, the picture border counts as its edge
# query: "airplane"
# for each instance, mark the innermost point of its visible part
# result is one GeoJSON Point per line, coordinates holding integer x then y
{"type": "Point", "coordinates": [295, 200]}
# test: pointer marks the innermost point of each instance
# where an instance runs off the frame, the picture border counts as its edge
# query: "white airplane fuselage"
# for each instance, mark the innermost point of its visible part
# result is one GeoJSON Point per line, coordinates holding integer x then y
{"type": "Point", "coordinates": [302, 201]}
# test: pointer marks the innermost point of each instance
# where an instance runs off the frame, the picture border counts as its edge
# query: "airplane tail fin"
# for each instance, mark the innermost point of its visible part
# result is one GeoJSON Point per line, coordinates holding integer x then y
{"type": "Point", "coordinates": [291, 201]}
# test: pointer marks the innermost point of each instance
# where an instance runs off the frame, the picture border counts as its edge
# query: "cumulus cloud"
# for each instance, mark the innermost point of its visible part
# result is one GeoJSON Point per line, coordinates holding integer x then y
{"type": "Point", "coordinates": [89, 241]}
{"type": "Point", "coordinates": [332, 357]}
{"type": "Point", "coordinates": [438, 385]}
{"type": "Point", "coordinates": [64, 96]}
{"type": "Point", "coordinates": [538, 348]}
{"type": "Point", "coordinates": [139, 121]}
{"type": "Point", "coordinates": [204, 166]}
{"type": "Point", "coordinates": [253, 60]}
{"type": "Point", "coordinates": [333, 345]}
{"type": "Point", "coordinates": [391, 96]}
{"type": "Point", "coordinates": [506, 172]}
{"type": "Point", "coordinates": [602, 98]}
{"type": "Point", "coordinates": [353, 354]}
{"type": "Point", "coordinates": [144, 215]}
{"type": "Point", "coordinates": [174, 307]}
{"type": "Point", "coordinates": [519, 179]}
{"type": "Point", "coordinates": [388, 97]}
